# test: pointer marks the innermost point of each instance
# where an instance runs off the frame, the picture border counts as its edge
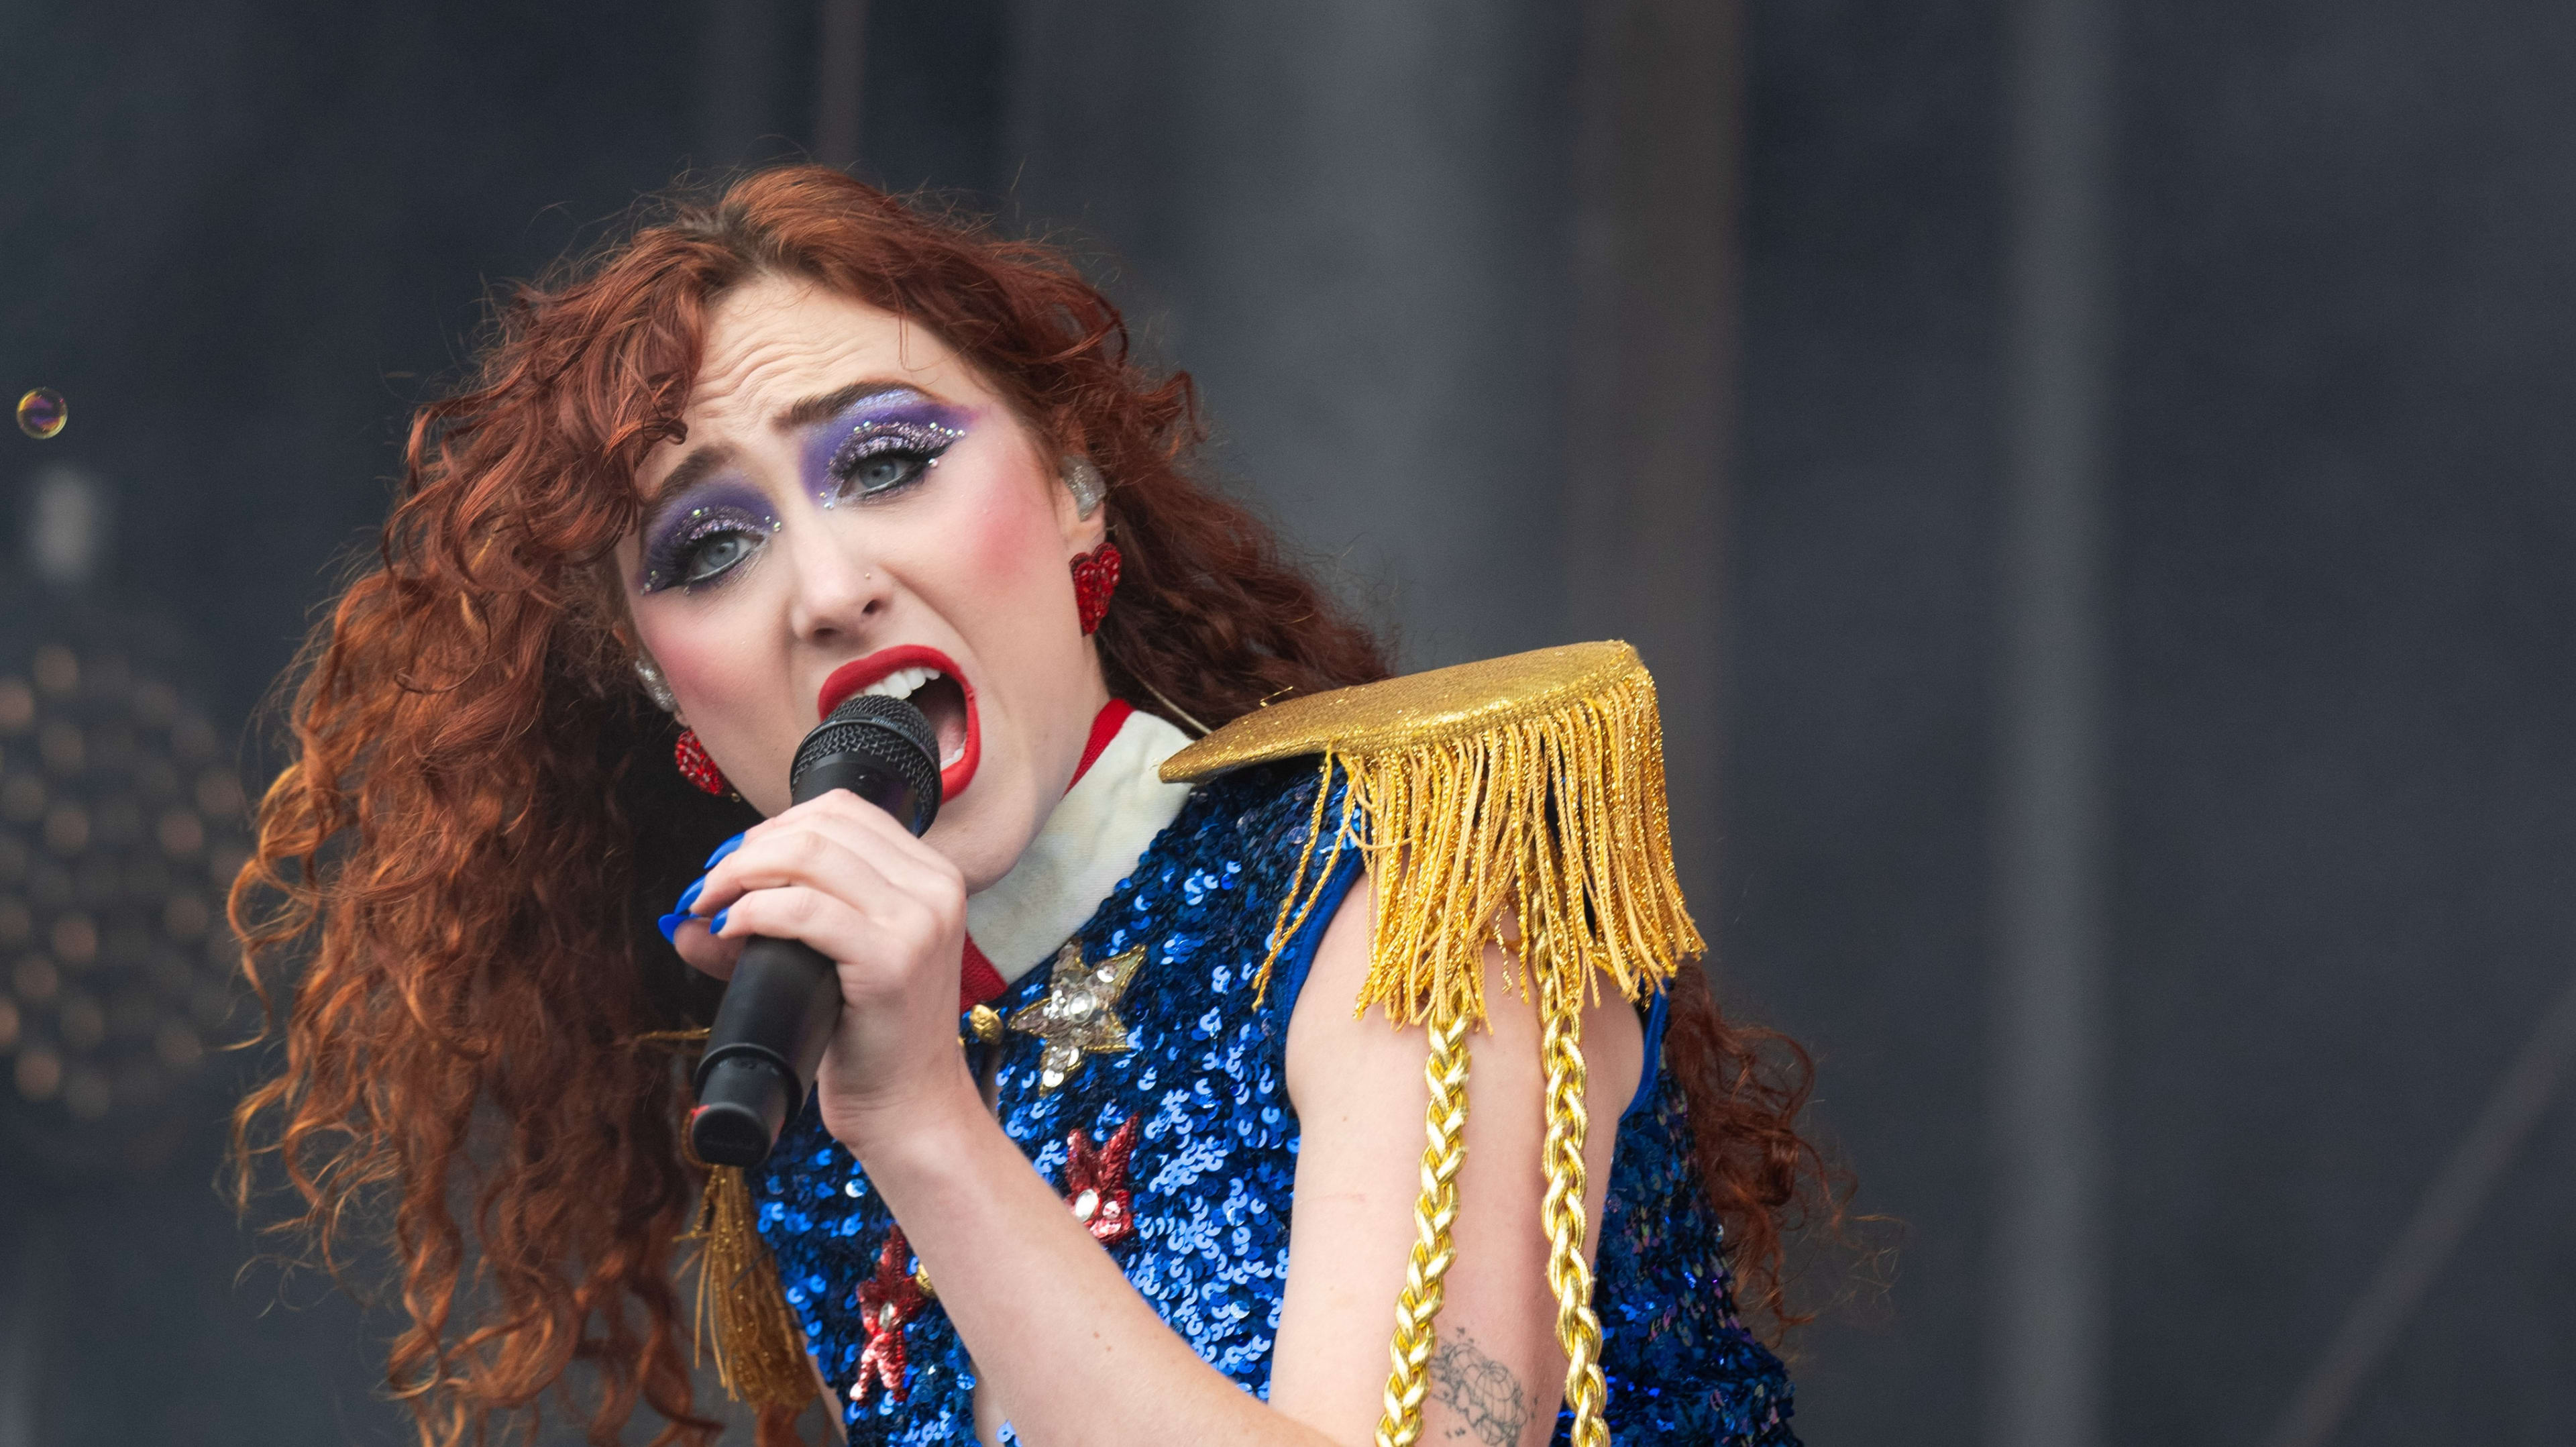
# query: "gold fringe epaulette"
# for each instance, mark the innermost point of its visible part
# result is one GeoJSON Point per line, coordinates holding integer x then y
{"type": "Point", "coordinates": [1527, 790]}
{"type": "Point", "coordinates": [1518, 802]}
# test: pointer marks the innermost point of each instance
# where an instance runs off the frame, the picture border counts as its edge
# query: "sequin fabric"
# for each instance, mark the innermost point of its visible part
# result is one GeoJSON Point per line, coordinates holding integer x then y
{"type": "Point", "coordinates": [1214, 1163]}
{"type": "Point", "coordinates": [1680, 1365]}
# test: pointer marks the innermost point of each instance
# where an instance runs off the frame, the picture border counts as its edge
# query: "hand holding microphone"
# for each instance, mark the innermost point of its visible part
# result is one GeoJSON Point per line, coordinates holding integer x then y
{"type": "Point", "coordinates": [784, 1001]}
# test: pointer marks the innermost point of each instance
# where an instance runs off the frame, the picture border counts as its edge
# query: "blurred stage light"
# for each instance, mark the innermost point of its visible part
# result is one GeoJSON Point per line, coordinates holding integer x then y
{"type": "Point", "coordinates": [120, 829]}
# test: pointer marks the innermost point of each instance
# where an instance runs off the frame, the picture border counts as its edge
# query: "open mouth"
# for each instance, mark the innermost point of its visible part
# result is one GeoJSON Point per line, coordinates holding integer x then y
{"type": "Point", "coordinates": [926, 678]}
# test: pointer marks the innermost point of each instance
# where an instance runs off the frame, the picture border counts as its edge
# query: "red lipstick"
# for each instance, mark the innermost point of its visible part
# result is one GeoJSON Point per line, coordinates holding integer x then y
{"type": "Point", "coordinates": [954, 718]}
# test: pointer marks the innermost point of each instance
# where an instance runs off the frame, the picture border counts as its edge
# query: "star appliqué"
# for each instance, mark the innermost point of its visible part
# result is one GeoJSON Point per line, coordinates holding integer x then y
{"type": "Point", "coordinates": [1095, 1183]}
{"type": "Point", "coordinates": [887, 1302]}
{"type": "Point", "coordinates": [1079, 1015]}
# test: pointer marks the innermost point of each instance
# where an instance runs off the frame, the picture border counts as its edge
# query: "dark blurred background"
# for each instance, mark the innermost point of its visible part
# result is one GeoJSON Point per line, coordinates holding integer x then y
{"type": "Point", "coordinates": [2093, 481]}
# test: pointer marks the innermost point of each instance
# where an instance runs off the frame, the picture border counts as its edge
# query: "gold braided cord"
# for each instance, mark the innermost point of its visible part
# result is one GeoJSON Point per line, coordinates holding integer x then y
{"type": "Point", "coordinates": [742, 1314]}
{"type": "Point", "coordinates": [1444, 1150]}
{"type": "Point", "coordinates": [1569, 1273]}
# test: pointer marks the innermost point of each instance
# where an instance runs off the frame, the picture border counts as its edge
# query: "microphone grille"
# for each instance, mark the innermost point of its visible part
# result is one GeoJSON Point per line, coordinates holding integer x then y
{"type": "Point", "coordinates": [889, 731]}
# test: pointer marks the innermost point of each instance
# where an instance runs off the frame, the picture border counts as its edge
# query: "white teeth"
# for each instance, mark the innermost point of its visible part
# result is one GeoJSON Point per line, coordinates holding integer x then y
{"type": "Point", "coordinates": [952, 756]}
{"type": "Point", "coordinates": [902, 683]}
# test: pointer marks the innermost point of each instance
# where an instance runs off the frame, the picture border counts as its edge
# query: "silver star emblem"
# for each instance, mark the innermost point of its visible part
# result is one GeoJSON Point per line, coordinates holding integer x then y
{"type": "Point", "coordinates": [1079, 1015]}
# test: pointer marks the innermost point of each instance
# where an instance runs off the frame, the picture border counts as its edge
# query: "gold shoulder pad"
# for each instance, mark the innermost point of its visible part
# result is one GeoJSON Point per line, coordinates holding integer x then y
{"type": "Point", "coordinates": [1440, 706]}
{"type": "Point", "coordinates": [1519, 796]}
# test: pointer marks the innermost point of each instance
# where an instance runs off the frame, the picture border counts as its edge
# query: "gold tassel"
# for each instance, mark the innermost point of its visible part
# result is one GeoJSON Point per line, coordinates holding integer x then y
{"type": "Point", "coordinates": [1523, 791]}
{"type": "Point", "coordinates": [742, 1316]}
{"type": "Point", "coordinates": [742, 1312]}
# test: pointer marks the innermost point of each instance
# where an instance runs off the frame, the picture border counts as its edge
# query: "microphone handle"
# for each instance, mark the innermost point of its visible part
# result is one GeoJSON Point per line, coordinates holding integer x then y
{"type": "Point", "coordinates": [777, 1015]}
{"type": "Point", "coordinates": [784, 1001]}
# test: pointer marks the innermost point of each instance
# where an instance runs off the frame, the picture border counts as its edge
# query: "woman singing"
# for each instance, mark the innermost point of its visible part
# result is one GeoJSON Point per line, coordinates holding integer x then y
{"type": "Point", "coordinates": [1102, 1152]}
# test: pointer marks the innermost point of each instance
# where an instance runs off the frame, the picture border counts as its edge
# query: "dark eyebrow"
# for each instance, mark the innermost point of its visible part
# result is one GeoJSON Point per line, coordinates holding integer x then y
{"type": "Point", "coordinates": [831, 404]}
{"type": "Point", "coordinates": [693, 469]}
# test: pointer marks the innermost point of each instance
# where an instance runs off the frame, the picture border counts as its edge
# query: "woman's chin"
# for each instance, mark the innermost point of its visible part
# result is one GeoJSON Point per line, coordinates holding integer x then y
{"type": "Point", "coordinates": [981, 846]}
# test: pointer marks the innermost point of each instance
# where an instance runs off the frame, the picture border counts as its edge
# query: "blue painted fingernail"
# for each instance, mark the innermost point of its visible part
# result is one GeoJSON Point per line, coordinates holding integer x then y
{"type": "Point", "coordinates": [689, 896]}
{"type": "Point", "coordinates": [716, 925]}
{"type": "Point", "coordinates": [724, 849]}
{"type": "Point", "coordinates": [671, 923]}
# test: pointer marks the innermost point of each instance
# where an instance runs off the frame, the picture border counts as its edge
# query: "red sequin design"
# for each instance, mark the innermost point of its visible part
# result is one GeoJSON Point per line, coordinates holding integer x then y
{"type": "Point", "coordinates": [1095, 577]}
{"type": "Point", "coordinates": [1095, 1183]}
{"type": "Point", "coordinates": [696, 767]}
{"type": "Point", "coordinates": [888, 1302]}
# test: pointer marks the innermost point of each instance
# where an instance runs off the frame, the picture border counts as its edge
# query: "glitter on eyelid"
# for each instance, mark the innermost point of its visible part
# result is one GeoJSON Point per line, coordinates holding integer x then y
{"type": "Point", "coordinates": [882, 435]}
{"type": "Point", "coordinates": [698, 523]}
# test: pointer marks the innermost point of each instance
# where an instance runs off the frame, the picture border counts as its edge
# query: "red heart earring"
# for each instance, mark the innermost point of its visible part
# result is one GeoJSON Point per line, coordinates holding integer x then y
{"type": "Point", "coordinates": [697, 767]}
{"type": "Point", "coordinates": [689, 754]}
{"type": "Point", "coordinates": [1095, 577]}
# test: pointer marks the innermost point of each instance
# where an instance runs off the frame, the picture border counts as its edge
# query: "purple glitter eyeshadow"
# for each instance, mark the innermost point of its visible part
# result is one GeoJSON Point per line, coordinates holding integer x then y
{"type": "Point", "coordinates": [677, 532]}
{"type": "Point", "coordinates": [899, 420]}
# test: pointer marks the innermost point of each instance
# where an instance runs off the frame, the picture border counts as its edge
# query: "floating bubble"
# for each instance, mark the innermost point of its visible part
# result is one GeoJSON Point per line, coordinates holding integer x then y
{"type": "Point", "coordinates": [42, 413]}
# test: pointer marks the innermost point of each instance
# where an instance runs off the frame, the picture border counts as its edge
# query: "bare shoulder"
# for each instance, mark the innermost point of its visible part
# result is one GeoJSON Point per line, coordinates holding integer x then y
{"type": "Point", "coordinates": [1334, 1051]}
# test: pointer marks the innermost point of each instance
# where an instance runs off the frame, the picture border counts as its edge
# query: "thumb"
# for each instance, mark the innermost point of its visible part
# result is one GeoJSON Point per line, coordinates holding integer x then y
{"type": "Point", "coordinates": [704, 951]}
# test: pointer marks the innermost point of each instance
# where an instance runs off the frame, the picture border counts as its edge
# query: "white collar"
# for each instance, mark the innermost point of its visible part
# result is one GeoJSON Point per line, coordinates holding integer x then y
{"type": "Point", "coordinates": [1094, 837]}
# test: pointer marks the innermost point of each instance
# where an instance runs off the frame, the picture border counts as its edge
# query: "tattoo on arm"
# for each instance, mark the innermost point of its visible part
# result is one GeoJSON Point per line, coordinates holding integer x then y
{"type": "Point", "coordinates": [1482, 1393]}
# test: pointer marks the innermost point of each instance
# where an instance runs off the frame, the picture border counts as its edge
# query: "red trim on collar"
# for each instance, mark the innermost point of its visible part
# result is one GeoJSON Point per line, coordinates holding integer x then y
{"type": "Point", "coordinates": [1104, 727]}
{"type": "Point", "coordinates": [977, 982]}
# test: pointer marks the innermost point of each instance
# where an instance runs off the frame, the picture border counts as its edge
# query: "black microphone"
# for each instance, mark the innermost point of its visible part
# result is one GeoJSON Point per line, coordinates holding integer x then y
{"type": "Point", "coordinates": [785, 998]}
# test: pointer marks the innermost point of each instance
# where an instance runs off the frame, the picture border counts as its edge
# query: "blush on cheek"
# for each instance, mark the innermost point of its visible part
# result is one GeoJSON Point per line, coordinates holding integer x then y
{"type": "Point", "coordinates": [1004, 544]}
{"type": "Point", "coordinates": [696, 662]}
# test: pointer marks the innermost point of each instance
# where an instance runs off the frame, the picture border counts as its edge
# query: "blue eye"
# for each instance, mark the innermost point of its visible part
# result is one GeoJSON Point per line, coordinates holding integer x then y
{"type": "Point", "coordinates": [884, 471]}
{"type": "Point", "coordinates": [715, 555]}
{"type": "Point", "coordinates": [705, 546]}
{"type": "Point", "coordinates": [884, 456]}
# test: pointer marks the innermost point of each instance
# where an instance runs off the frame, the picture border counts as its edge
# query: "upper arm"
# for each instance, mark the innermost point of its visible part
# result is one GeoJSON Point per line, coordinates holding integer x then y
{"type": "Point", "coordinates": [1358, 1088]}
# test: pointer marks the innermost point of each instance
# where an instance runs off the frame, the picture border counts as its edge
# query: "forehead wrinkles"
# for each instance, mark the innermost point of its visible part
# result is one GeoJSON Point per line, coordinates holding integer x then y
{"type": "Point", "coordinates": [757, 368]}
{"type": "Point", "coordinates": [776, 341]}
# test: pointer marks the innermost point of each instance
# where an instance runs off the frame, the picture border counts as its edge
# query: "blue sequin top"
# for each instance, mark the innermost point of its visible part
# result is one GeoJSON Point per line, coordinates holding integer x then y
{"type": "Point", "coordinates": [1214, 1162]}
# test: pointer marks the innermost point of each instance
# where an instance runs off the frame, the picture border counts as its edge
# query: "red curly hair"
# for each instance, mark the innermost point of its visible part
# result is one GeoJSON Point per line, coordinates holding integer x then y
{"type": "Point", "coordinates": [481, 821]}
